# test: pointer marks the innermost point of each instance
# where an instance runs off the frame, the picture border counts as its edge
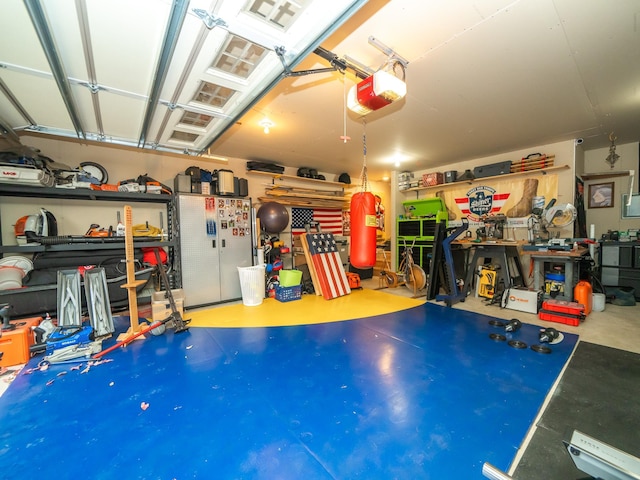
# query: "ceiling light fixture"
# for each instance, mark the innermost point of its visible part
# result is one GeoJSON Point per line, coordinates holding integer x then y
{"type": "Point", "coordinates": [266, 124]}
{"type": "Point", "coordinates": [613, 157]}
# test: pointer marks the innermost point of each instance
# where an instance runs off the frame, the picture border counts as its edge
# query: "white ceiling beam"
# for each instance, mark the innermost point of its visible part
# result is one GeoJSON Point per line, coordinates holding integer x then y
{"type": "Point", "coordinates": [41, 25]}
{"type": "Point", "coordinates": [176, 19]}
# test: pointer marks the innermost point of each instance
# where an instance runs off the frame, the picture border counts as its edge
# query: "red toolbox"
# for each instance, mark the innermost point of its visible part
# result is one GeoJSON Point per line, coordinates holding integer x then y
{"type": "Point", "coordinates": [561, 311]}
{"type": "Point", "coordinates": [14, 344]}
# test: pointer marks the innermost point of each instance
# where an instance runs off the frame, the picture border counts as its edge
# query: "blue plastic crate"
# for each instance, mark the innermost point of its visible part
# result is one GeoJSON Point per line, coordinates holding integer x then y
{"type": "Point", "coordinates": [288, 294]}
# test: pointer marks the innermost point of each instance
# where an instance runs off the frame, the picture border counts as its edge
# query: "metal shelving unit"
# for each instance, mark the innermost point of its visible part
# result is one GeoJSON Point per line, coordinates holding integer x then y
{"type": "Point", "coordinates": [8, 190]}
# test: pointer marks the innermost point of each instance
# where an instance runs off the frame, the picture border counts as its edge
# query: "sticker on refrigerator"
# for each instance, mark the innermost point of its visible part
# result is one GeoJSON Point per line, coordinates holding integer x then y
{"type": "Point", "coordinates": [210, 216]}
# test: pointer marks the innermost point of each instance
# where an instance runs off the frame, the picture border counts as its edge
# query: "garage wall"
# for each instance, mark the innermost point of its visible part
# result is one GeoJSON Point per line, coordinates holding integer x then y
{"type": "Point", "coordinates": [74, 218]}
{"type": "Point", "coordinates": [564, 155]}
{"type": "Point", "coordinates": [610, 218]}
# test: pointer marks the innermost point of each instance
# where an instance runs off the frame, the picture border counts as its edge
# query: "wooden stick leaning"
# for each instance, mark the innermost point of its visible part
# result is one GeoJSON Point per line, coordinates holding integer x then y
{"type": "Point", "coordinates": [132, 284]}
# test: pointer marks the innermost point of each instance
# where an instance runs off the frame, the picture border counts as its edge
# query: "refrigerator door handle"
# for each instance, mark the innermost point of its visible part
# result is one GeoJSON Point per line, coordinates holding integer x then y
{"type": "Point", "coordinates": [223, 243]}
{"type": "Point", "coordinates": [213, 243]}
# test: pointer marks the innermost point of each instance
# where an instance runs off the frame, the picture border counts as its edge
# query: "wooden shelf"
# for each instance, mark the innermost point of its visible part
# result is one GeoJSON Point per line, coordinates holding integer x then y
{"type": "Point", "coordinates": [442, 186]}
{"type": "Point", "coordinates": [282, 176]}
{"type": "Point", "coordinates": [310, 197]}
{"type": "Point", "coordinates": [316, 196]}
{"type": "Point", "coordinates": [601, 175]}
{"type": "Point", "coordinates": [306, 202]}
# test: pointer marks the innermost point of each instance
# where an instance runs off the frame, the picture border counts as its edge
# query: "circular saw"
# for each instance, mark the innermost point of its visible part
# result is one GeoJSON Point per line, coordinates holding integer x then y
{"type": "Point", "coordinates": [560, 215]}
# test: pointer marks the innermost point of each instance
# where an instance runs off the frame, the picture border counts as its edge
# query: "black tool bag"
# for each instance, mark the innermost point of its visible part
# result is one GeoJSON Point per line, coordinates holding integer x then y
{"type": "Point", "coordinates": [492, 169]}
{"type": "Point", "coordinates": [101, 258]}
{"type": "Point", "coordinates": [265, 167]}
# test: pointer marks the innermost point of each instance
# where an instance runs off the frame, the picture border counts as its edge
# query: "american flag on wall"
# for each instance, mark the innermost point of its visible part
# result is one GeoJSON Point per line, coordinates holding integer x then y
{"type": "Point", "coordinates": [328, 265]}
{"type": "Point", "coordinates": [330, 219]}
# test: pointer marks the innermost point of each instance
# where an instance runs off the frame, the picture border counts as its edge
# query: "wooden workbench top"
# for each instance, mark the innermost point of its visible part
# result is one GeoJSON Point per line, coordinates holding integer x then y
{"type": "Point", "coordinates": [580, 252]}
{"type": "Point", "coordinates": [489, 243]}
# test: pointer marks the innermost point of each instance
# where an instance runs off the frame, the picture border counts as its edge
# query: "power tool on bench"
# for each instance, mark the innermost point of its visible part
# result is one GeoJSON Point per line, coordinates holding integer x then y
{"type": "Point", "coordinates": [68, 343]}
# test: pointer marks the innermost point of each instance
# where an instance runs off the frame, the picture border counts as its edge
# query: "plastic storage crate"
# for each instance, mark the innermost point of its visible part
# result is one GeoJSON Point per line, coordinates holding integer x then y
{"type": "Point", "coordinates": [287, 294]}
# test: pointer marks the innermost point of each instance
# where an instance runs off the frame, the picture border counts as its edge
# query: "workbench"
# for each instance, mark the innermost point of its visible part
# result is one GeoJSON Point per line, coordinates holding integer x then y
{"type": "Point", "coordinates": [500, 252]}
{"type": "Point", "coordinates": [568, 258]}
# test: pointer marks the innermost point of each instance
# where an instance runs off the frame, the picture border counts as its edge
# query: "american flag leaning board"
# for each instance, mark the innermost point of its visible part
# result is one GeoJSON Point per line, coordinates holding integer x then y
{"type": "Point", "coordinates": [327, 265]}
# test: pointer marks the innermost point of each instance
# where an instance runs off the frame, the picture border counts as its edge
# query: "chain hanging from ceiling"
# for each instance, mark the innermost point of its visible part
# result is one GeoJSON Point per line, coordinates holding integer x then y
{"type": "Point", "coordinates": [363, 175]}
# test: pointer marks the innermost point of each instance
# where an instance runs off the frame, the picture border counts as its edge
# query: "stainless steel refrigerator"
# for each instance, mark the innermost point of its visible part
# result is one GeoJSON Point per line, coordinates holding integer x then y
{"type": "Point", "coordinates": [215, 238]}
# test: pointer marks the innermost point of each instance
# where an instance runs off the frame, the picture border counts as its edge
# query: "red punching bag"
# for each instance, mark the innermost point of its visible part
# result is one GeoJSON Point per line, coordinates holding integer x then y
{"type": "Point", "coordinates": [363, 230]}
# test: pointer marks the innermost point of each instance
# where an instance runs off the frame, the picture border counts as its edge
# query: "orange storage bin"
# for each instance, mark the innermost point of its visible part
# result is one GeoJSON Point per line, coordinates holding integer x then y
{"type": "Point", "coordinates": [14, 344]}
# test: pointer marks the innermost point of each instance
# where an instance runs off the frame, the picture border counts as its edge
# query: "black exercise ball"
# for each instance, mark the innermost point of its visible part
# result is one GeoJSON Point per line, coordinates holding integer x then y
{"type": "Point", "coordinates": [273, 216]}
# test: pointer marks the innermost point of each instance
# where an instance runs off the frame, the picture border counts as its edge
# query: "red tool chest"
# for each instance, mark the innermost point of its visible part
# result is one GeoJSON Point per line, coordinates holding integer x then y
{"type": "Point", "coordinates": [561, 311]}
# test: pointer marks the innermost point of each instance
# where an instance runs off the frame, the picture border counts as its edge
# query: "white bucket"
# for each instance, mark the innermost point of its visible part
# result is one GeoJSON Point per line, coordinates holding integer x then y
{"type": "Point", "coordinates": [252, 285]}
{"type": "Point", "coordinates": [598, 301]}
{"type": "Point", "coordinates": [17, 261]}
{"type": "Point", "coordinates": [10, 277]}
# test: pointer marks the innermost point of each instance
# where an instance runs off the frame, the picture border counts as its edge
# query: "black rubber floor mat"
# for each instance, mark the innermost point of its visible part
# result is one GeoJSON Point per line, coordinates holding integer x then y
{"type": "Point", "coordinates": [599, 395]}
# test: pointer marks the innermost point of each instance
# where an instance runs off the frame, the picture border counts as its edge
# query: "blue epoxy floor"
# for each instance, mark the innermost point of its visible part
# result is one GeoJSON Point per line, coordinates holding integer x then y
{"type": "Point", "coordinates": [423, 393]}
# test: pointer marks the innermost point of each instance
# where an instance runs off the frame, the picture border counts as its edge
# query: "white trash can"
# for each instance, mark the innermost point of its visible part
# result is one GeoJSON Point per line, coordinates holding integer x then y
{"type": "Point", "coordinates": [599, 299]}
{"type": "Point", "coordinates": [252, 284]}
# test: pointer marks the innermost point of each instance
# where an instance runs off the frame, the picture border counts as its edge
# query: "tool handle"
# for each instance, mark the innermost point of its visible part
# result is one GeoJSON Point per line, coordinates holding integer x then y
{"type": "Point", "coordinates": [130, 338]}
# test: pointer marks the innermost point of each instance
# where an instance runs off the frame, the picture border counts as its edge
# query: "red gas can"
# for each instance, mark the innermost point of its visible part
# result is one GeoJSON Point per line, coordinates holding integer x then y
{"type": "Point", "coordinates": [583, 293]}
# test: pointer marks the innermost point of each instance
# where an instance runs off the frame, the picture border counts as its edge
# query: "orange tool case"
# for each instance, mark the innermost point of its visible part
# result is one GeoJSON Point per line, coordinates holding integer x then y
{"type": "Point", "coordinates": [353, 279]}
{"type": "Point", "coordinates": [569, 313]}
{"type": "Point", "coordinates": [14, 344]}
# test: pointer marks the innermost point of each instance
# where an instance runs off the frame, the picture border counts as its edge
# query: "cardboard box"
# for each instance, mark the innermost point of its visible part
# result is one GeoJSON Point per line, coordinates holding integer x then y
{"type": "Point", "coordinates": [15, 344]}
{"type": "Point", "coordinates": [160, 306]}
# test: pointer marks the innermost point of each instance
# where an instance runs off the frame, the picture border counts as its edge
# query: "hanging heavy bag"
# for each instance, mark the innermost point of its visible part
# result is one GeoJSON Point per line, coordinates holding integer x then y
{"type": "Point", "coordinates": [363, 230]}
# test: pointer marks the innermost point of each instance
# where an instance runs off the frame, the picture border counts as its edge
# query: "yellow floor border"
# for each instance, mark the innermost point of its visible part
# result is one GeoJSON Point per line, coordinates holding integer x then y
{"type": "Point", "coordinates": [310, 309]}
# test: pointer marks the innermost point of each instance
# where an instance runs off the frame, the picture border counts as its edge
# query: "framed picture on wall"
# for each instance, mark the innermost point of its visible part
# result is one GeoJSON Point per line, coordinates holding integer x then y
{"type": "Point", "coordinates": [601, 195]}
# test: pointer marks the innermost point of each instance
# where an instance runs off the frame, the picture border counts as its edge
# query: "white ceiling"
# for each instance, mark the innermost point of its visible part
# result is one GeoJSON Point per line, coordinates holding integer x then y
{"type": "Point", "coordinates": [483, 77]}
